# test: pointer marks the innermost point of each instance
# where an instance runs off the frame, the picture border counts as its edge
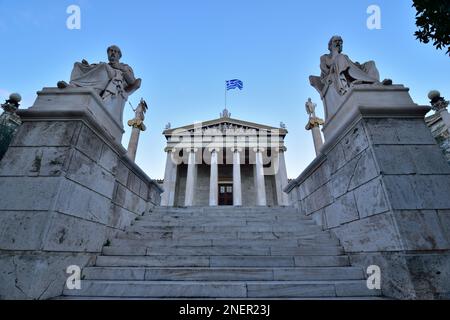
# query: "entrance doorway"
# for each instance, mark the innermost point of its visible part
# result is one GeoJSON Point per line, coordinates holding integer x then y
{"type": "Point", "coordinates": [225, 194]}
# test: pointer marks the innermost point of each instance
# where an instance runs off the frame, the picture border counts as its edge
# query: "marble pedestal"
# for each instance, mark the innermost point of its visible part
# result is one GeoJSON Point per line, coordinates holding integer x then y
{"type": "Point", "coordinates": [66, 188]}
{"type": "Point", "coordinates": [81, 99]}
{"type": "Point", "coordinates": [368, 96]}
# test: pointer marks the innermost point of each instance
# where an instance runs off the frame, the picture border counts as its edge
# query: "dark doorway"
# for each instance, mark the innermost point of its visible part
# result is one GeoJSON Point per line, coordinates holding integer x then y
{"type": "Point", "coordinates": [225, 194]}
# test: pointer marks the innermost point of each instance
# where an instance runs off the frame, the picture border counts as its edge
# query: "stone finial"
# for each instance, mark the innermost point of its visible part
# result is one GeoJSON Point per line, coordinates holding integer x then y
{"type": "Point", "coordinates": [438, 103]}
{"type": "Point", "coordinates": [168, 126]}
{"type": "Point", "coordinates": [12, 104]}
{"type": "Point", "coordinates": [225, 113]}
{"type": "Point", "coordinates": [282, 125]}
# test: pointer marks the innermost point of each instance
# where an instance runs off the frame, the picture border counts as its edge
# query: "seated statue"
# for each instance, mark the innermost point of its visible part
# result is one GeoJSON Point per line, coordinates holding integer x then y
{"type": "Point", "coordinates": [339, 71]}
{"type": "Point", "coordinates": [113, 81]}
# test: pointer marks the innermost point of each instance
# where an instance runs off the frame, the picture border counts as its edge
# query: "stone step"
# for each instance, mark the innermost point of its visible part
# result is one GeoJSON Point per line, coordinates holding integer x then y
{"type": "Point", "coordinates": [223, 274]}
{"type": "Point", "coordinates": [322, 239]}
{"type": "Point", "coordinates": [223, 261]}
{"type": "Point", "coordinates": [139, 227]}
{"type": "Point", "coordinates": [223, 223]}
{"type": "Point", "coordinates": [215, 235]}
{"type": "Point", "coordinates": [224, 209]}
{"type": "Point", "coordinates": [220, 250]}
{"type": "Point", "coordinates": [226, 215]}
{"type": "Point", "coordinates": [216, 289]}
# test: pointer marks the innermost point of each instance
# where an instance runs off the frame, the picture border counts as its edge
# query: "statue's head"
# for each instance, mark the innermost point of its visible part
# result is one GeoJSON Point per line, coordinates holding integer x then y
{"type": "Point", "coordinates": [336, 42]}
{"type": "Point", "coordinates": [114, 54]}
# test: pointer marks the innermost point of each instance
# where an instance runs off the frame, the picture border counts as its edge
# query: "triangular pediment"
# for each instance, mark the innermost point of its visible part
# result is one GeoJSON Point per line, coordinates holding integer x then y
{"type": "Point", "coordinates": [224, 124]}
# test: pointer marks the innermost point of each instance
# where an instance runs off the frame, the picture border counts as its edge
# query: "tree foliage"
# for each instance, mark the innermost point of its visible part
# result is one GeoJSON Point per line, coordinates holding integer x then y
{"type": "Point", "coordinates": [433, 22]}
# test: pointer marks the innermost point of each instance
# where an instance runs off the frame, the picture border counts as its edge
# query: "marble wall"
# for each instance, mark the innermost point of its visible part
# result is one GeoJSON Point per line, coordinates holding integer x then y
{"type": "Point", "coordinates": [383, 188]}
{"type": "Point", "coordinates": [66, 189]}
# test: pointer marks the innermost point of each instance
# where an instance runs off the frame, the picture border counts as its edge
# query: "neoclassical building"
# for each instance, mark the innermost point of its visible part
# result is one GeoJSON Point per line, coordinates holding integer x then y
{"type": "Point", "coordinates": [225, 162]}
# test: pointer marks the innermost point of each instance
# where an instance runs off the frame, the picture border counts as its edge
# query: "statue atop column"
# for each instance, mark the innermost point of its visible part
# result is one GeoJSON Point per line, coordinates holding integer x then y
{"type": "Point", "coordinates": [137, 125]}
{"type": "Point", "coordinates": [139, 116]}
{"type": "Point", "coordinates": [339, 71]}
{"type": "Point", "coordinates": [314, 121]}
{"type": "Point", "coordinates": [113, 81]}
{"type": "Point", "coordinates": [314, 124]}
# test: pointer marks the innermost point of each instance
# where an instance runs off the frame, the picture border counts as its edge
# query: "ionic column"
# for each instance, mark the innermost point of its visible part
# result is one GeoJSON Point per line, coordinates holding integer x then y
{"type": "Point", "coordinates": [281, 179]}
{"type": "Point", "coordinates": [191, 177]}
{"type": "Point", "coordinates": [214, 179]}
{"type": "Point", "coordinates": [237, 184]}
{"type": "Point", "coordinates": [170, 179]}
{"type": "Point", "coordinates": [259, 179]}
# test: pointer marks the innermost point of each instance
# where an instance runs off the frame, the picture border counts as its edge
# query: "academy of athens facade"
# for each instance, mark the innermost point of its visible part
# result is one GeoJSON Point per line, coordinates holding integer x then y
{"type": "Point", "coordinates": [225, 162]}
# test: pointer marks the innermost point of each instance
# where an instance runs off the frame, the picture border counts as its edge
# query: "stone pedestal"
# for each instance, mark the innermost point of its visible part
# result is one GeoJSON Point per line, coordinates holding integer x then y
{"type": "Point", "coordinates": [382, 185]}
{"type": "Point", "coordinates": [81, 99]}
{"type": "Point", "coordinates": [368, 96]}
{"type": "Point", "coordinates": [66, 188]}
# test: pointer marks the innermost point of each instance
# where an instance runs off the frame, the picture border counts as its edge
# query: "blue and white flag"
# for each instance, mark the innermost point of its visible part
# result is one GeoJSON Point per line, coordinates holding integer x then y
{"type": "Point", "coordinates": [233, 84]}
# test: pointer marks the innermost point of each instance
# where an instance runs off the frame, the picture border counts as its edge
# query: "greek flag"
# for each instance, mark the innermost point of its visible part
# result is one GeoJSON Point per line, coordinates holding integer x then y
{"type": "Point", "coordinates": [233, 84]}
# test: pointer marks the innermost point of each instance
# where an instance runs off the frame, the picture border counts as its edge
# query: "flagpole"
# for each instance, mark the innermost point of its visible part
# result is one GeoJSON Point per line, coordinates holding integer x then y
{"type": "Point", "coordinates": [225, 94]}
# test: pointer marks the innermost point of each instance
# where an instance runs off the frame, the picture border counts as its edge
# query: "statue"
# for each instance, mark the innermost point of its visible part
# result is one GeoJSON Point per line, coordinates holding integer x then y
{"type": "Point", "coordinates": [168, 126]}
{"type": "Point", "coordinates": [139, 116]}
{"type": "Point", "coordinates": [225, 113]}
{"type": "Point", "coordinates": [282, 125]}
{"type": "Point", "coordinates": [314, 124]}
{"type": "Point", "coordinates": [113, 81]}
{"type": "Point", "coordinates": [339, 71]}
{"type": "Point", "coordinates": [137, 125]}
{"type": "Point", "coordinates": [311, 108]}
{"type": "Point", "coordinates": [313, 121]}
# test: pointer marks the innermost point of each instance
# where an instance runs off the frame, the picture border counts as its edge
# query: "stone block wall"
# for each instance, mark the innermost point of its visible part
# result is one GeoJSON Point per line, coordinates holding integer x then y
{"type": "Point", "coordinates": [383, 187]}
{"type": "Point", "coordinates": [66, 189]}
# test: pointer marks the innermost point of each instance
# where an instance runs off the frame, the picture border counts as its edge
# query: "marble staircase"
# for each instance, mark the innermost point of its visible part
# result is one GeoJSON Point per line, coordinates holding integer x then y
{"type": "Point", "coordinates": [231, 253]}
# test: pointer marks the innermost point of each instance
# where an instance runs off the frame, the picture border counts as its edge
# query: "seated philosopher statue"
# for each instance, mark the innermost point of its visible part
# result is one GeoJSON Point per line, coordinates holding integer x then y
{"type": "Point", "coordinates": [113, 81]}
{"type": "Point", "coordinates": [338, 71]}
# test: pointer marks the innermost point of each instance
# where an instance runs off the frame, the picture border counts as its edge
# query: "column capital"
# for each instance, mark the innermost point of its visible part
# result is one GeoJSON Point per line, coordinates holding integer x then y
{"type": "Point", "coordinates": [237, 149]}
{"type": "Point", "coordinates": [170, 149]}
{"type": "Point", "coordinates": [314, 122]}
{"type": "Point", "coordinates": [282, 149]}
{"type": "Point", "coordinates": [189, 150]}
{"type": "Point", "coordinates": [214, 149]}
{"type": "Point", "coordinates": [259, 149]}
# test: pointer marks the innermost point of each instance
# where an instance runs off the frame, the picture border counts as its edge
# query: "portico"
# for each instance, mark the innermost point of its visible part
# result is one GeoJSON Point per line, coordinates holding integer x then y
{"type": "Point", "coordinates": [225, 162]}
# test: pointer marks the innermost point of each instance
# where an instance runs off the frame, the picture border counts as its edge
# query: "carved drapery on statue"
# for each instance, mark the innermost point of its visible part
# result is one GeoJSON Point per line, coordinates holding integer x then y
{"type": "Point", "coordinates": [339, 74]}
{"type": "Point", "coordinates": [114, 81]}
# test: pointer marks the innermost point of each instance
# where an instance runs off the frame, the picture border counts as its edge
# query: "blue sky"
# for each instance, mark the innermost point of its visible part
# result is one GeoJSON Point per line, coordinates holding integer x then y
{"type": "Point", "coordinates": [185, 50]}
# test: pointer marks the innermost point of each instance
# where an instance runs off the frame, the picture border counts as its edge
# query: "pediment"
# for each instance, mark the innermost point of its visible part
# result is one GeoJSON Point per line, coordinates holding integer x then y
{"type": "Point", "coordinates": [224, 125]}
